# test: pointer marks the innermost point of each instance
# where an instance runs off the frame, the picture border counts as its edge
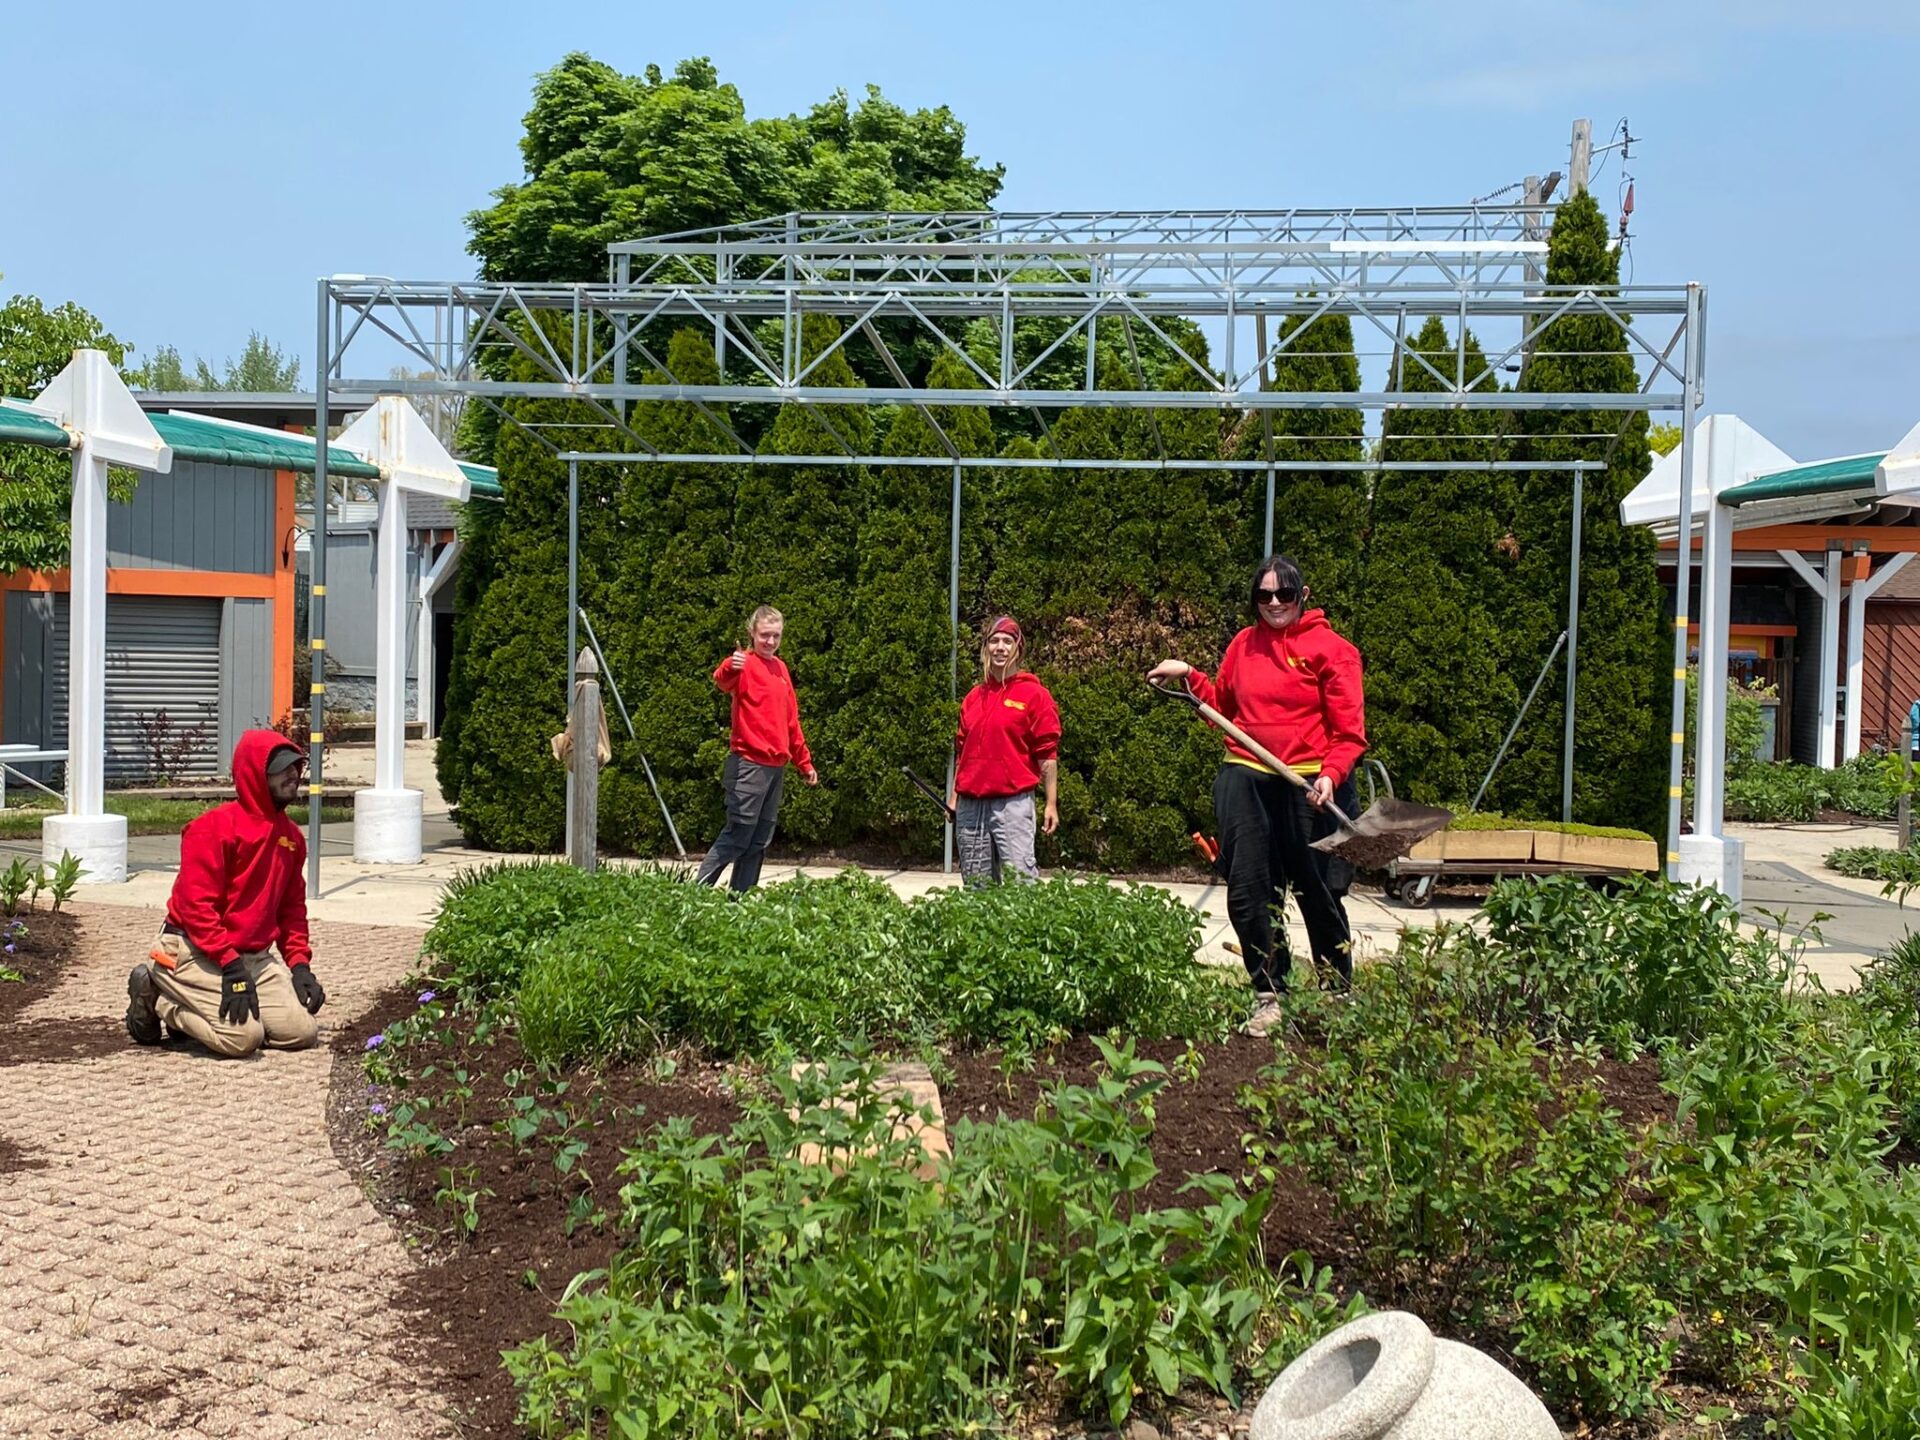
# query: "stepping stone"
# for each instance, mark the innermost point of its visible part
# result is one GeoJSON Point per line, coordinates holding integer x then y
{"type": "Point", "coordinates": [914, 1081]}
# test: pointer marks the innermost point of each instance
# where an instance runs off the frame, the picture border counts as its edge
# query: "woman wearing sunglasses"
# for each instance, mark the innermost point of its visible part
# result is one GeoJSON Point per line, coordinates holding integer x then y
{"type": "Point", "coordinates": [1294, 685]}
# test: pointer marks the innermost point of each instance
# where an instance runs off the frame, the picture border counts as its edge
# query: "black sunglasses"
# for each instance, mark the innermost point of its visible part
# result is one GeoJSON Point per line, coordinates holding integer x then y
{"type": "Point", "coordinates": [1285, 595]}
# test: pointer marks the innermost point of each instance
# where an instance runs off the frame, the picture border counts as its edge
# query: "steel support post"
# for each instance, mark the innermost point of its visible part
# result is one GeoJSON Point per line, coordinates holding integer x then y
{"type": "Point", "coordinates": [1682, 574]}
{"type": "Point", "coordinates": [573, 610]}
{"type": "Point", "coordinates": [1573, 645]}
{"type": "Point", "coordinates": [317, 598]}
{"type": "Point", "coordinates": [953, 681]}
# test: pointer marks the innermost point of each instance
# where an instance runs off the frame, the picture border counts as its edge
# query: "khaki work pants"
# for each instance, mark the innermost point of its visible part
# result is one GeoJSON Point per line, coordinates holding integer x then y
{"type": "Point", "coordinates": [189, 1001]}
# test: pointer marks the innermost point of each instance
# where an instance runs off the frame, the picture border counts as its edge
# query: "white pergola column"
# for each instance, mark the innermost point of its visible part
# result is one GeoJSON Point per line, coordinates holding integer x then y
{"type": "Point", "coordinates": [387, 818]}
{"type": "Point", "coordinates": [1707, 857]}
{"type": "Point", "coordinates": [1858, 593]}
{"type": "Point", "coordinates": [91, 401]}
{"type": "Point", "coordinates": [1830, 590]}
{"type": "Point", "coordinates": [431, 579]}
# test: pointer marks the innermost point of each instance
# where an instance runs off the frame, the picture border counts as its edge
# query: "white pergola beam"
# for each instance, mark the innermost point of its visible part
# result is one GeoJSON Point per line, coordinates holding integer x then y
{"type": "Point", "coordinates": [431, 579]}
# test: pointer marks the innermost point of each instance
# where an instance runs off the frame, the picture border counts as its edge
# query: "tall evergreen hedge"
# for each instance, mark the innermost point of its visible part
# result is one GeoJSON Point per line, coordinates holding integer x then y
{"type": "Point", "coordinates": [1624, 674]}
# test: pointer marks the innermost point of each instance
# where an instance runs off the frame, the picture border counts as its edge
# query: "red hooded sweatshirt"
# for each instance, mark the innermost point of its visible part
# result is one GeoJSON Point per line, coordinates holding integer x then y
{"type": "Point", "coordinates": [1007, 728]}
{"type": "Point", "coordinates": [766, 712]}
{"type": "Point", "coordinates": [242, 881]}
{"type": "Point", "coordinates": [1296, 691]}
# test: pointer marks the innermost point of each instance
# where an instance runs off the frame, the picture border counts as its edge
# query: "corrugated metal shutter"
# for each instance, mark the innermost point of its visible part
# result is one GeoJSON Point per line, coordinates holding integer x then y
{"type": "Point", "coordinates": [163, 653]}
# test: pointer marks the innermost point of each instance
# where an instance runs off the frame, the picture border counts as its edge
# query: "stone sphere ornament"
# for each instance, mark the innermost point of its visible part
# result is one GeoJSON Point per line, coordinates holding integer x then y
{"type": "Point", "coordinates": [1385, 1377]}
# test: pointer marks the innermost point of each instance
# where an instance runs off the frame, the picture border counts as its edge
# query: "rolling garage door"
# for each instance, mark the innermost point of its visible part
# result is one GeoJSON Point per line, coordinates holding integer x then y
{"type": "Point", "coordinates": [163, 654]}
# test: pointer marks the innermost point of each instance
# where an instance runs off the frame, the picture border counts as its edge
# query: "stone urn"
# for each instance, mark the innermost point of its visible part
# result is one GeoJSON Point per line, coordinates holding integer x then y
{"type": "Point", "coordinates": [1385, 1377]}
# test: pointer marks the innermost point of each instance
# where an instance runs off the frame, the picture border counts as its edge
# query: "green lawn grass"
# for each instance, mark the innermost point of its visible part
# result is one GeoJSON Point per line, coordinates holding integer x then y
{"type": "Point", "coordinates": [146, 815]}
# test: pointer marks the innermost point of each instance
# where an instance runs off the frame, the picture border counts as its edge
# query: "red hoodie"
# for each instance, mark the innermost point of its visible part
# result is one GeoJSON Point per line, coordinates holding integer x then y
{"type": "Point", "coordinates": [766, 712]}
{"type": "Point", "coordinates": [242, 881]}
{"type": "Point", "coordinates": [1296, 691]}
{"type": "Point", "coordinates": [1006, 729]}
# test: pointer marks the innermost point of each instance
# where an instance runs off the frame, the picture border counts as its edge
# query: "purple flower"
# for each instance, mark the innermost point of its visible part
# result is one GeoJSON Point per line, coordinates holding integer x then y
{"type": "Point", "coordinates": [376, 1109]}
{"type": "Point", "coordinates": [10, 947]}
{"type": "Point", "coordinates": [374, 1042]}
{"type": "Point", "coordinates": [426, 995]}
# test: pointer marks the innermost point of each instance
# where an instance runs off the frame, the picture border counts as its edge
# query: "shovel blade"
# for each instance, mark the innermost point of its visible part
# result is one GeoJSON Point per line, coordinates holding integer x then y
{"type": "Point", "coordinates": [1386, 831]}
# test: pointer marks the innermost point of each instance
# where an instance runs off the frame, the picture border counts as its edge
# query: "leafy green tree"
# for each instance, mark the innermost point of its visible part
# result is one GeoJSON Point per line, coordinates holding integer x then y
{"type": "Point", "coordinates": [1622, 715]}
{"type": "Point", "coordinates": [1663, 439]}
{"type": "Point", "coordinates": [614, 157]}
{"type": "Point", "coordinates": [1320, 516]}
{"type": "Point", "coordinates": [263, 368]}
{"type": "Point", "coordinates": [1441, 686]}
{"type": "Point", "coordinates": [36, 484]}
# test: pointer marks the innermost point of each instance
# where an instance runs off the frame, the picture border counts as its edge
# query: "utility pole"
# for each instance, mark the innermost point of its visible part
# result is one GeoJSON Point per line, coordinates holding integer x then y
{"type": "Point", "coordinates": [1581, 158]}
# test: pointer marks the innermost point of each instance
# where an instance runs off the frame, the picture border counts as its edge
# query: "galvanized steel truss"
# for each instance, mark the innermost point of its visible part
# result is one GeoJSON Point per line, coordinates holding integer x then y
{"type": "Point", "coordinates": [1225, 275]}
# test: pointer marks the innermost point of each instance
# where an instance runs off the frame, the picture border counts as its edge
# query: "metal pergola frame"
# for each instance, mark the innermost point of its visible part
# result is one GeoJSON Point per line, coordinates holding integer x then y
{"type": "Point", "coordinates": [964, 283]}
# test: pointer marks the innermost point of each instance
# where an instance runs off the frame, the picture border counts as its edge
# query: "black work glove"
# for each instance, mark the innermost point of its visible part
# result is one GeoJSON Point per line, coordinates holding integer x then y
{"type": "Point", "coordinates": [238, 1003]}
{"type": "Point", "coordinates": [308, 989]}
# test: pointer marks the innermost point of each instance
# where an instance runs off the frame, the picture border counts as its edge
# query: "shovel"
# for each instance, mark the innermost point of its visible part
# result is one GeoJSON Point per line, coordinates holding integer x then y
{"type": "Point", "coordinates": [1385, 831]}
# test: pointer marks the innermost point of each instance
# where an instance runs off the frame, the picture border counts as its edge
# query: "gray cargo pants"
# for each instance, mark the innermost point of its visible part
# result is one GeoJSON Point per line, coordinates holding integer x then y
{"type": "Point", "coordinates": [994, 836]}
{"type": "Point", "coordinates": [753, 805]}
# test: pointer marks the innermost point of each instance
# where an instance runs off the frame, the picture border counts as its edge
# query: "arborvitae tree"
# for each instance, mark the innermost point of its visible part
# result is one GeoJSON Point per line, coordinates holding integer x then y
{"type": "Point", "coordinates": [794, 535]}
{"type": "Point", "coordinates": [1439, 565]}
{"type": "Point", "coordinates": [893, 656]}
{"type": "Point", "coordinates": [672, 616]}
{"type": "Point", "coordinates": [1621, 715]}
{"type": "Point", "coordinates": [514, 666]}
{"type": "Point", "coordinates": [1319, 516]}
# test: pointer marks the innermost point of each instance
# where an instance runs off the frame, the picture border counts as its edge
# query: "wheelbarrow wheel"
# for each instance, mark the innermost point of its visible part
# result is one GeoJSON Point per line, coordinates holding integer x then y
{"type": "Point", "coordinates": [1417, 894]}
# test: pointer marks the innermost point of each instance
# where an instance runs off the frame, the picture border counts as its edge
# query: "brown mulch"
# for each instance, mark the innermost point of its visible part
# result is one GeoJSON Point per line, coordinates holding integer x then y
{"type": "Point", "coordinates": [40, 954]}
{"type": "Point", "coordinates": [476, 1298]}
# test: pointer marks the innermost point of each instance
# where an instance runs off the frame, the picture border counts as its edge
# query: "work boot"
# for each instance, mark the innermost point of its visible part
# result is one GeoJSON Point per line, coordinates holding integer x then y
{"type": "Point", "coordinates": [1267, 1014]}
{"type": "Point", "coordinates": [143, 1023]}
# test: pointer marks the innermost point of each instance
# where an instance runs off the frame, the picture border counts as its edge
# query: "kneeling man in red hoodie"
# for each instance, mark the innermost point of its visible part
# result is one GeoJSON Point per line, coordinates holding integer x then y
{"type": "Point", "coordinates": [241, 889]}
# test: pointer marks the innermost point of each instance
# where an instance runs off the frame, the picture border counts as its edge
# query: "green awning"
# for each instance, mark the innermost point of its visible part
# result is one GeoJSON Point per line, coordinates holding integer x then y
{"type": "Point", "coordinates": [483, 482]}
{"type": "Point", "coordinates": [1829, 477]}
{"type": "Point", "coordinates": [212, 443]}
{"type": "Point", "coordinates": [23, 427]}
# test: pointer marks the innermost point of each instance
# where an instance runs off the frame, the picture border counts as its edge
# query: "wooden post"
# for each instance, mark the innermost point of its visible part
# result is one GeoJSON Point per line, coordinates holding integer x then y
{"type": "Point", "coordinates": [583, 850]}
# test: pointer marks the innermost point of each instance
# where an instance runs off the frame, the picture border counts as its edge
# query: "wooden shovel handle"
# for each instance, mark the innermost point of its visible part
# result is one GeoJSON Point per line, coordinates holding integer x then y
{"type": "Point", "coordinates": [1259, 752]}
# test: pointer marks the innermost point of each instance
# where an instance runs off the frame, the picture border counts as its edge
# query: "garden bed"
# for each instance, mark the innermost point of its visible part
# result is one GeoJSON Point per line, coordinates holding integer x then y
{"type": "Point", "coordinates": [493, 1275]}
{"type": "Point", "coordinates": [1602, 1138]}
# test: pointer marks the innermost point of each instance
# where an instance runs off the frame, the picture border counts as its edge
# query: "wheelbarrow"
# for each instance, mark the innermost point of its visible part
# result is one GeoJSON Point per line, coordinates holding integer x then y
{"type": "Point", "coordinates": [1384, 832]}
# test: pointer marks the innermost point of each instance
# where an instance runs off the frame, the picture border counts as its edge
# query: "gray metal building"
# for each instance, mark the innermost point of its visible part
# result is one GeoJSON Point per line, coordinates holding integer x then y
{"type": "Point", "coordinates": [199, 624]}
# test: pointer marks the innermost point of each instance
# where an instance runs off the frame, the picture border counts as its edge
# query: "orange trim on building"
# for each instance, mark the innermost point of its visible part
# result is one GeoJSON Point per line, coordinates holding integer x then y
{"type": "Point", "coordinates": [211, 584]}
{"type": "Point", "coordinates": [1789, 630]}
{"type": "Point", "coordinates": [1879, 540]}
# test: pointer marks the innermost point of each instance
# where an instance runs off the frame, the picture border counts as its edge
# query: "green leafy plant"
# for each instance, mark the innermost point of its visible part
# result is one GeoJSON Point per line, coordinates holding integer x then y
{"type": "Point", "coordinates": [798, 1275]}
{"type": "Point", "coordinates": [65, 878]}
{"type": "Point", "coordinates": [17, 882]}
{"type": "Point", "coordinates": [1489, 1185]}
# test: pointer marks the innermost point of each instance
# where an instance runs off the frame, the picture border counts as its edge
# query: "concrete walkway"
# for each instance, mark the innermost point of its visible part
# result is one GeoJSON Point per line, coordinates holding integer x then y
{"type": "Point", "coordinates": [1787, 882]}
{"type": "Point", "coordinates": [180, 1251]}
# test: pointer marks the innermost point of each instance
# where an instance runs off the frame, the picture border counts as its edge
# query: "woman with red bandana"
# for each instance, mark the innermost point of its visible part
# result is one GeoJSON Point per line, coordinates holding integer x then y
{"type": "Point", "coordinates": [1294, 685]}
{"type": "Point", "coordinates": [1008, 742]}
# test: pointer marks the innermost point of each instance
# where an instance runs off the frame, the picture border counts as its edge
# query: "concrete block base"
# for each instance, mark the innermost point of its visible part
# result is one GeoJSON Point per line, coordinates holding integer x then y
{"type": "Point", "coordinates": [1712, 860]}
{"type": "Point", "coordinates": [99, 842]}
{"type": "Point", "coordinates": [386, 827]}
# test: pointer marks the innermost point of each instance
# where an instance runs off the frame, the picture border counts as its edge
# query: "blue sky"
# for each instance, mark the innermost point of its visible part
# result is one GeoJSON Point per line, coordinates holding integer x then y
{"type": "Point", "coordinates": [233, 152]}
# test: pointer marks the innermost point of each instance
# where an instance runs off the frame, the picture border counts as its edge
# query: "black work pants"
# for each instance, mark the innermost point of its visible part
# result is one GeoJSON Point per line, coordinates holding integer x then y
{"type": "Point", "coordinates": [1266, 824]}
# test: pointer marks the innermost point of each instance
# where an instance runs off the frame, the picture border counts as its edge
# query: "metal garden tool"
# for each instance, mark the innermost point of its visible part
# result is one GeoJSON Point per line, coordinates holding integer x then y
{"type": "Point", "coordinates": [1384, 832]}
{"type": "Point", "coordinates": [925, 787]}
